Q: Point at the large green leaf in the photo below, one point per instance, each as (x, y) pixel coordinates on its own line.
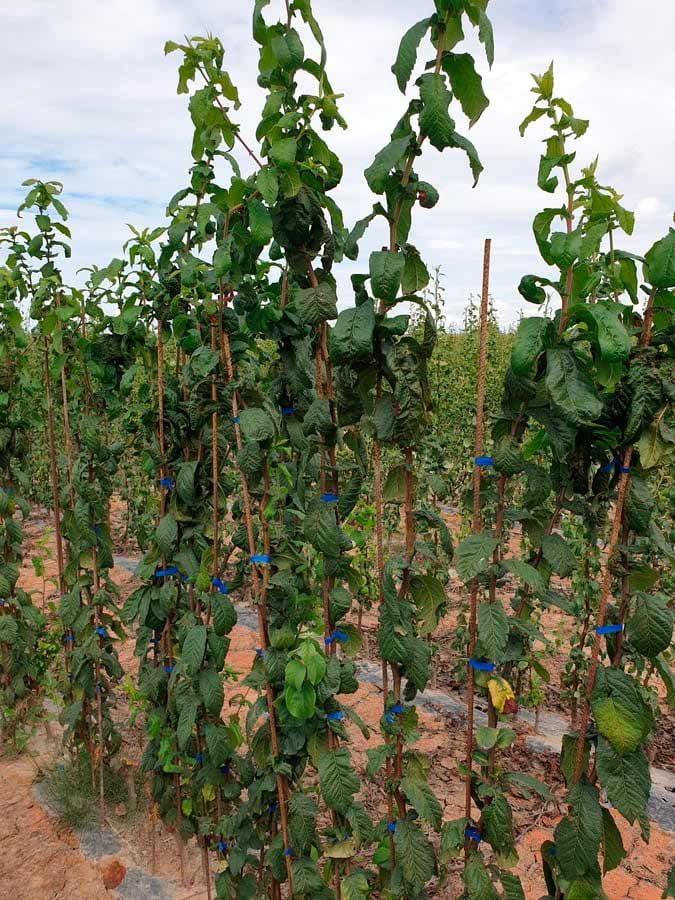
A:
(256, 424)
(211, 691)
(625, 778)
(407, 53)
(316, 304)
(606, 329)
(194, 645)
(498, 823)
(493, 630)
(613, 850)
(650, 628)
(477, 881)
(570, 388)
(620, 712)
(557, 553)
(435, 121)
(260, 222)
(9, 630)
(578, 835)
(386, 272)
(660, 261)
(386, 160)
(338, 780)
(351, 338)
(428, 595)
(466, 84)
(414, 855)
(216, 743)
(166, 535)
(422, 798)
(534, 335)
(472, 555)
(300, 702)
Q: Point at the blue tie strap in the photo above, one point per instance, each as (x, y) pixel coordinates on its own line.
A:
(166, 482)
(168, 669)
(225, 770)
(481, 666)
(615, 464)
(166, 573)
(272, 808)
(473, 834)
(609, 629)
(220, 586)
(287, 410)
(391, 827)
(259, 652)
(235, 420)
(221, 846)
(68, 638)
(261, 559)
(101, 632)
(199, 759)
(336, 716)
(288, 852)
(329, 498)
(336, 636)
(483, 462)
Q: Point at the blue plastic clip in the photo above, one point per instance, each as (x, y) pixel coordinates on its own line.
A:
(287, 410)
(481, 666)
(396, 709)
(335, 716)
(154, 641)
(615, 464)
(168, 669)
(199, 759)
(165, 573)
(484, 462)
(235, 420)
(259, 652)
(329, 498)
(288, 852)
(272, 808)
(221, 846)
(391, 827)
(68, 638)
(220, 586)
(101, 632)
(166, 482)
(225, 770)
(336, 636)
(473, 834)
(261, 559)
(609, 629)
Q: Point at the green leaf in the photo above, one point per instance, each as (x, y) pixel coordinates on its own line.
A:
(9, 630)
(338, 780)
(194, 645)
(526, 573)
(166, 535)
(267, 185)
(466, 84)
(570, 388)
(525, 782)
(256, 425)
(620, 712)
(557, 553)
(211, 691)
(530, 288)
(376, 757)
(387, 159)
(351, 338)
(295, 673)
(565, 247)
(386, 272)
(487, 738)
(472, 555)
(415, 274)
(434, 119)
(259, 221)
(407, 53)
(625, 778)
(613, 850)
(316, 304)
(493, 630)
(535, 113)
(660, 261)
(185, 481)
(223, 614)
(498, 823)
(513, 888)
(477, 881)
(423, 800)
(283, 151)
(300, 702)
(578, 835)
(428, 594)
(669, 890)
(535, 334)
(354, 887)
(414, 855)
(606, 329)
(216, 743)
(186, 721)
(650, 628)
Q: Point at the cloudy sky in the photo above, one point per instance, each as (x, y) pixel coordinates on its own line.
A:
(88, 98)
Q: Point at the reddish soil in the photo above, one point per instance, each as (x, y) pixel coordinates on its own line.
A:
(40, 859)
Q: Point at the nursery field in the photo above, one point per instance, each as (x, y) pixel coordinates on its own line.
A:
(303, 594)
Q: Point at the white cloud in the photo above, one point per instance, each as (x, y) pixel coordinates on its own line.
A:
(92, 102)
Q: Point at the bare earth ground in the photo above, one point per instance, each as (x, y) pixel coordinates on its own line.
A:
(40, 859)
